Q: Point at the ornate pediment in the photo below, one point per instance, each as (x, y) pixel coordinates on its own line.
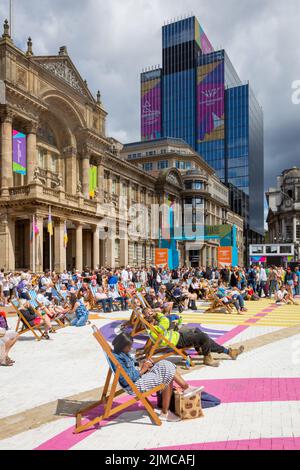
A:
(174, 178)
(63, 68)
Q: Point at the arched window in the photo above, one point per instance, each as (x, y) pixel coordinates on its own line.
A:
(46, 134)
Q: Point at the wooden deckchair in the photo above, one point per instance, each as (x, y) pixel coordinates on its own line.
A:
(23, 326)
(115, 371)
(153, 347)
(92, 299)
(134, 322)
(217, 305)
(35, 305)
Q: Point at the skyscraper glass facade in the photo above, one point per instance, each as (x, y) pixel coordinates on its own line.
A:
(204, 102)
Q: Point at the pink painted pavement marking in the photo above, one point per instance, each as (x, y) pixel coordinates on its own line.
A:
(248, 322)
(252, 390)
(68, 439)
(274, 443)
(228, 390)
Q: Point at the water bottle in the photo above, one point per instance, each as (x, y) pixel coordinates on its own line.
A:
(188, 363)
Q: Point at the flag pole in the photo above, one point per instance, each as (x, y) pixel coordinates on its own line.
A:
(50, 241)
(11, 17)
(33, 246)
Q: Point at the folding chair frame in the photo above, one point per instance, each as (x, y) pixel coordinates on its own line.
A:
(152, 348)
(26, 326)
(107, 397)
(56, 320)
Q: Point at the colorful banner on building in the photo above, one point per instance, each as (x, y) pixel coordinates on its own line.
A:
(210, 102)
(201, 39)
(218, 231)
(92, 180)
(19, 153)
(258, 259)
(151, 108)
(224, 256)
(161, 257)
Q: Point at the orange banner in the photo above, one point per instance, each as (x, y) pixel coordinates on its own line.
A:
(161, 257)
(225, 255)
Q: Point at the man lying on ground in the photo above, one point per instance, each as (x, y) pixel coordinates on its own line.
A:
(188, 338)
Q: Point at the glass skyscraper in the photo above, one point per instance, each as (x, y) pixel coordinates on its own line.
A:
(198, 96)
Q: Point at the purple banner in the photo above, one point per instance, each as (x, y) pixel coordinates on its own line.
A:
(19, 153)
(151, 109)
(210, 102)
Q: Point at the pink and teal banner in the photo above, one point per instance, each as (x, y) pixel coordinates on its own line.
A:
(202, 40)
(19, 153)
(151, 109)
(210, 102)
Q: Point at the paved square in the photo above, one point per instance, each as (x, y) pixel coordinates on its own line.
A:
(260, 392)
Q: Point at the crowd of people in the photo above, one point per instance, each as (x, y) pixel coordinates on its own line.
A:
(50, 298)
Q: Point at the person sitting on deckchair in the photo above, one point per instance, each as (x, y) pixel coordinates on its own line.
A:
(8, 339)
(162, 297)
(34, 319)
(46, 307)
(188, 338)
(149, 376)
(80, 310)
(104, 300)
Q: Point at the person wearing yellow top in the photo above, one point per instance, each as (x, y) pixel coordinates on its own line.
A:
(187, 338)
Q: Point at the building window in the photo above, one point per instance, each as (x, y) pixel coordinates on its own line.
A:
(289, 232)
(298, 232)
(162, 165)
(135, 251)
(144, 254)
(124, 189)
(152, 252)
(147, 166)
(117, 249)
(42, 156)
(53, 163)
(198, 185)
(113, 186)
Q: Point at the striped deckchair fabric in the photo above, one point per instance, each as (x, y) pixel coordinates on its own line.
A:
(23, 325)
(33, 295)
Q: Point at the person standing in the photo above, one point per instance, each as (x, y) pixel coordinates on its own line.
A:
(263, 282)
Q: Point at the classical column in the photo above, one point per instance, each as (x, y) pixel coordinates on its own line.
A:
(31, 151)
(295, 229)
(11, 234)
(85, 176)
(39, 244)
(100, 183)
(96, 248)
(71, 170)
(59, 248)
(124, 245)
(6, 151)
(79, 257)
(110, 251)
(204, 257)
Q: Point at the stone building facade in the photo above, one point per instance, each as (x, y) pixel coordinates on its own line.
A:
(46, 99)
(284, 208)
(201, 187)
